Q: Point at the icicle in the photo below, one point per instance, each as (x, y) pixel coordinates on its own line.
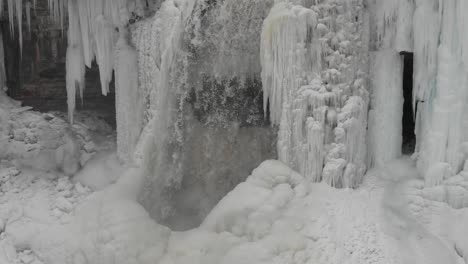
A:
(105, 39)
(74, 60)
(19, 18)
(28, 15)
(11, 14)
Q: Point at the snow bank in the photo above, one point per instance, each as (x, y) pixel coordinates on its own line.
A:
(270, 179)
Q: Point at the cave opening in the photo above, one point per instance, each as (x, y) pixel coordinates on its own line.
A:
(408, 119)
(36, 76)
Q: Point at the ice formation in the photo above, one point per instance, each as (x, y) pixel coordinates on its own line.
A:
(314, 83)
(75, 76)
(94, 28)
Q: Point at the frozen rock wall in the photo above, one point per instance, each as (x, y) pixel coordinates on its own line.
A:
(315, 84)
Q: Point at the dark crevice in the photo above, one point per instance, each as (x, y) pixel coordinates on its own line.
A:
(408, 120)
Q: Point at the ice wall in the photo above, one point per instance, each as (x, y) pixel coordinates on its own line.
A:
(314, 82)
(443, 99)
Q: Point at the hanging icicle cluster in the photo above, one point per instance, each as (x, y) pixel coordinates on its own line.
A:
(15, 14)
(96, 35)
(92, 34)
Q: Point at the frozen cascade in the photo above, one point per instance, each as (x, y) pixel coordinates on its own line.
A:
(161, 168)
(200, 74)
(313, 76)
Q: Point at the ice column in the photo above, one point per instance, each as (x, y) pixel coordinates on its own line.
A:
(75, 76)
(385, 126)
(129, 98)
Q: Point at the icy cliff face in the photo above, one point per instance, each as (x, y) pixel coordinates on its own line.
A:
(314, 81)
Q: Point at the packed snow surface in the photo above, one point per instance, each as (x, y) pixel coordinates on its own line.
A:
(275, 216)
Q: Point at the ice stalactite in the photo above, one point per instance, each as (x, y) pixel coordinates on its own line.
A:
(98, 21)
(28, 15)
(288, 30)
(385, 126)
(316, 90)
(97, 34)
(15, 14)
(129, 98)
(75, 74)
